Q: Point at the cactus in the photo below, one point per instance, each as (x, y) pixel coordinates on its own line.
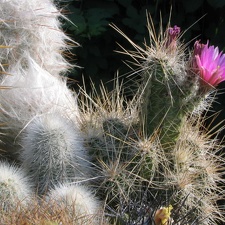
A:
(126, 160)
(177, 156)
(15, 188)
(33, 92)
(146, 158)
(31, 61)
(197, 173)
(168, 90)
(32, 29)
(109, 124)
(53, 152)
(79, 201)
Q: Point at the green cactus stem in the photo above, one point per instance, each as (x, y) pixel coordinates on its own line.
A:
(163, 106)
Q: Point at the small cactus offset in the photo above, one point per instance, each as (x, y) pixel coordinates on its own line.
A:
(102, 159)
(80, 202)
(15, 187)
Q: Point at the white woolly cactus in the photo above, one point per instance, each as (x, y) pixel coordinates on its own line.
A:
(32, 29)
(32, 92)
(53, 152)
(78, 201)
(147, 153)
(15, 187)
(31, 52)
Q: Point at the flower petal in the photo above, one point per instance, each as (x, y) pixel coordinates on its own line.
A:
(209, 63)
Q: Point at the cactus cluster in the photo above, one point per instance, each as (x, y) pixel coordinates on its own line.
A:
(100, 158)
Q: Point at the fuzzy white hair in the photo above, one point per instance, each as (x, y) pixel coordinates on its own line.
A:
(53, 152)
(15, 187)
(80, 200)
(33, 92)
(32, 28)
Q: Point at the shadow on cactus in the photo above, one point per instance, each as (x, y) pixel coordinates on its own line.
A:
(144, 208)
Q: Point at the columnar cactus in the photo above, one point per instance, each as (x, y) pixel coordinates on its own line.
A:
(31, 61)
(169, 91)
(40, 115)
(53, 152)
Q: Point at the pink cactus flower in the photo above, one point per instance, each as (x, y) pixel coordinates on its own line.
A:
(173, 32)
(209, 63)
(172, 35)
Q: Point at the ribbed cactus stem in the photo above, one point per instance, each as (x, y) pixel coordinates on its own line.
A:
(162, 109)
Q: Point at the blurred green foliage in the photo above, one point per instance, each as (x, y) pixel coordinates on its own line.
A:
(89, 26)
